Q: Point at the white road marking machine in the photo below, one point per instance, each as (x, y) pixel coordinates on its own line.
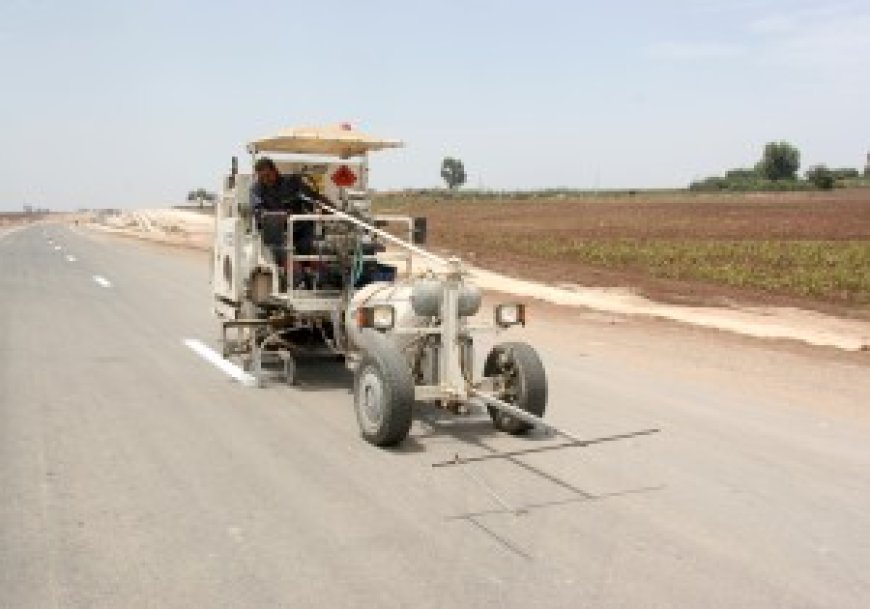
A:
(409, 337)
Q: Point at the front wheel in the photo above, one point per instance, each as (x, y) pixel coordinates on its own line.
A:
(383, 392)
(520, 381)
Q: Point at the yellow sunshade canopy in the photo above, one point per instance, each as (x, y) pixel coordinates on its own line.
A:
(337, 140)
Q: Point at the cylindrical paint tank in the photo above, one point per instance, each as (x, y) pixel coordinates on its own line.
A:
(428, 294)
(414, 303)
(469, 300)
(426, 297)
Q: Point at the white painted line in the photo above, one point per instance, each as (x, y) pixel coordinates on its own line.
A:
(5, 232)
(212, 357)
(57, 248)
(102, 281)
(70, 258)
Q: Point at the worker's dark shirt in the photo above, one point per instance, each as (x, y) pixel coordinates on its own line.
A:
(283, 195)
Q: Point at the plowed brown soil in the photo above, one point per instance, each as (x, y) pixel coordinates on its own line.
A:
(484, 230)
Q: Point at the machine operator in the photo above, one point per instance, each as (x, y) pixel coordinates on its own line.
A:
(274, 192)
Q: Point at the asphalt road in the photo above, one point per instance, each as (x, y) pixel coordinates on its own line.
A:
(133, 473)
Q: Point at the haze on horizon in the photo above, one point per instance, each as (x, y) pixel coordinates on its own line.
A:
(109, 104)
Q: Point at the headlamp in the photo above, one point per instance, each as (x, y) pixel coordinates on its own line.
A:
(510, 315)
(380, 317)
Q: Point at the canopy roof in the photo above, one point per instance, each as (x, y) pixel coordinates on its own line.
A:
(335, 140)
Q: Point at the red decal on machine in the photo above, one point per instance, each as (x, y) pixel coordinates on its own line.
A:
(344, 177)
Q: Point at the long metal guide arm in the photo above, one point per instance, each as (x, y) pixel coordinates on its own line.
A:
(575, 440)
(457, 460)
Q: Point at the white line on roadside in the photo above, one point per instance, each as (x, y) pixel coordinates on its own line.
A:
(57, 248)
(70, 258)
(212, 357)
(102, 281)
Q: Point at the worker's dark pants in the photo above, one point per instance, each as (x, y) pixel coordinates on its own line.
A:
(303, 243)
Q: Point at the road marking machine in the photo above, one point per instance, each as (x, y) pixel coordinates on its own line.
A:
(353, 293)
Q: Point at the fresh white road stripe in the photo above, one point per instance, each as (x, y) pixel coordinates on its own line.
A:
(102, 281)
(216, 360)
(70, 258)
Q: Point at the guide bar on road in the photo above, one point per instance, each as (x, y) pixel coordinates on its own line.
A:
(457, 460)
(575, 441)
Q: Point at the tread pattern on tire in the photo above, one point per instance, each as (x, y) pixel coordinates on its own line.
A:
(398, 386)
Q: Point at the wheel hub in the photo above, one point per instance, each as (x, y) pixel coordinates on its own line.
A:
(371, 399)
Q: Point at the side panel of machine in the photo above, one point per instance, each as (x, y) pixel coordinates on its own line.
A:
(229, 268)
(329, 176)
(227, 279)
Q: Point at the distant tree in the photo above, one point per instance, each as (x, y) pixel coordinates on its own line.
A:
(712, 183)
(453, 172)
(780, 161)
(201, 195)
(741, 174)
(845, 173)
(821, 177)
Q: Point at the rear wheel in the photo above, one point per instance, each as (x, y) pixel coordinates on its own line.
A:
(383, 392)
(520, 381)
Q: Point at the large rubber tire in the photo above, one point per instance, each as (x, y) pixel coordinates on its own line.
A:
(522, 366)
(383, 391)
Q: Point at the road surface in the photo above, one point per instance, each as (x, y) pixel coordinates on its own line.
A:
(134, 473)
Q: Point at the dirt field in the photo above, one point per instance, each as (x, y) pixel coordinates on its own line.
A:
(13, 218)
(181, 227)
(808, 249)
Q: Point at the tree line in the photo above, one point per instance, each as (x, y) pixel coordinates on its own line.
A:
(778, 170)
(202, 196)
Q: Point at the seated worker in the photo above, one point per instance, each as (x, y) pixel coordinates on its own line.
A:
(285, 193)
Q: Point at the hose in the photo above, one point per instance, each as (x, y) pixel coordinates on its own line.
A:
(357, 266)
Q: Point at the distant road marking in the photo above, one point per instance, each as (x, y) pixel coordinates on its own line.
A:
(5, 232)
(70, 258)
(102, 281)
(214, 358)
(57, 248)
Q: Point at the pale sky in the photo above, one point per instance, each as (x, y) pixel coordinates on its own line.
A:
(111, 103)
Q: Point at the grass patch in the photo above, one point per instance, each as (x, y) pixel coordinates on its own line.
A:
(835, 271)
(812, 247)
